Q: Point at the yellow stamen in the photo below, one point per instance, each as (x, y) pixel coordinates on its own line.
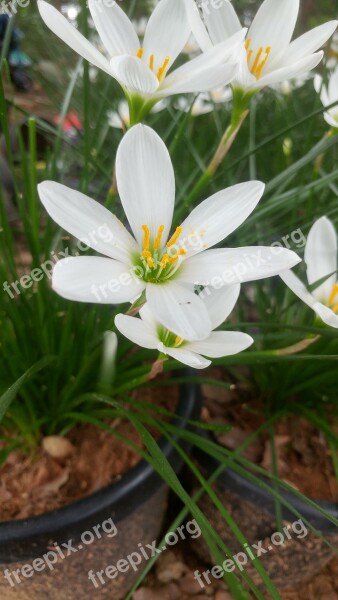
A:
(255, 65)
(151, 62)
(146, 239)
(333, 295)
(262, 65)
(150, 263)
(140, 53)
(174, 237)
(335, 307)
(247, 44)
(178, 340)
(146, 254)
(165, 260)
(158, 238)
(162, 69)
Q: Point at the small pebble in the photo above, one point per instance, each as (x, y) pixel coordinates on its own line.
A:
(189, 584)
(222, 595)
(57, 446)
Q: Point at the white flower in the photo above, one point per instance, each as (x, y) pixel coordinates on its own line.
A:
(321, 261)
(328, 95)
(268, 56)
(166, 268)
(149, 333)
(142, 69)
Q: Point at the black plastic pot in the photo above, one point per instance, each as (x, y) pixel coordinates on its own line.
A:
(131, 511)
(299, 557)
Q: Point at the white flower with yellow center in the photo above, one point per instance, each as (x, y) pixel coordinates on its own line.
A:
(142, 69)
(268, 55)
(328, 95)
(160, 267)
(321, 260)
(150, 333)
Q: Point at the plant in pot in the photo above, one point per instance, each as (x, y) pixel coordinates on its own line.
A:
(76, 359)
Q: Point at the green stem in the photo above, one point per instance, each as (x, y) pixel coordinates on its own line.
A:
(238, 117)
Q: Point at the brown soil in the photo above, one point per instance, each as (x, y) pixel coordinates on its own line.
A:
(303, 454)
(31, 484)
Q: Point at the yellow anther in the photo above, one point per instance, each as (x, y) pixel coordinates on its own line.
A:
(178, 340)
(146, 254)
(151, 62)
(247, 44)
(158, 238)
(181, 252)
(146, 239)
(162, 69)
(255, 65)
(165, 260)
(174, 237)
(263, 63)
(150, 263)
(334, 293)
(140, 53)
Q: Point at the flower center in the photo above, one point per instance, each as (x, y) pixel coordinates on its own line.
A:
(161, 72)
(159, 265)
(170, 339)
(257, 62)
(333, 297)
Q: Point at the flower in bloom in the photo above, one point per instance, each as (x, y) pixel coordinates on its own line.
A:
(149, 333)
(142, 69)
(321, 261)
(268, 55)
(328, 95)
(153, 263)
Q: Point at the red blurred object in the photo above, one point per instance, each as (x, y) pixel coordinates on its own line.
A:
(71, 123)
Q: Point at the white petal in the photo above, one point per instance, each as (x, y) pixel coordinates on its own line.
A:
(321, 257)
(148, 317)
(297, 287)
(87, 220)
(221, 343)
(227, 266)
(146, 182)
(273, 26)
(220, 303)
(221, 21)
(288, 72)
(114, 28)
(197, 26)
(333, 87)
(331, 117)
(199, 81)
(326, 314)
(71, 36)
(179, 310)
(308, 43)
(134, 75)
(137, 331)
(167, 32)
(186, 357)
(95, 279)
(218, 216)
(207, 65)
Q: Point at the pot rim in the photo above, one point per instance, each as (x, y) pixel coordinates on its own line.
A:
(138, 484)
